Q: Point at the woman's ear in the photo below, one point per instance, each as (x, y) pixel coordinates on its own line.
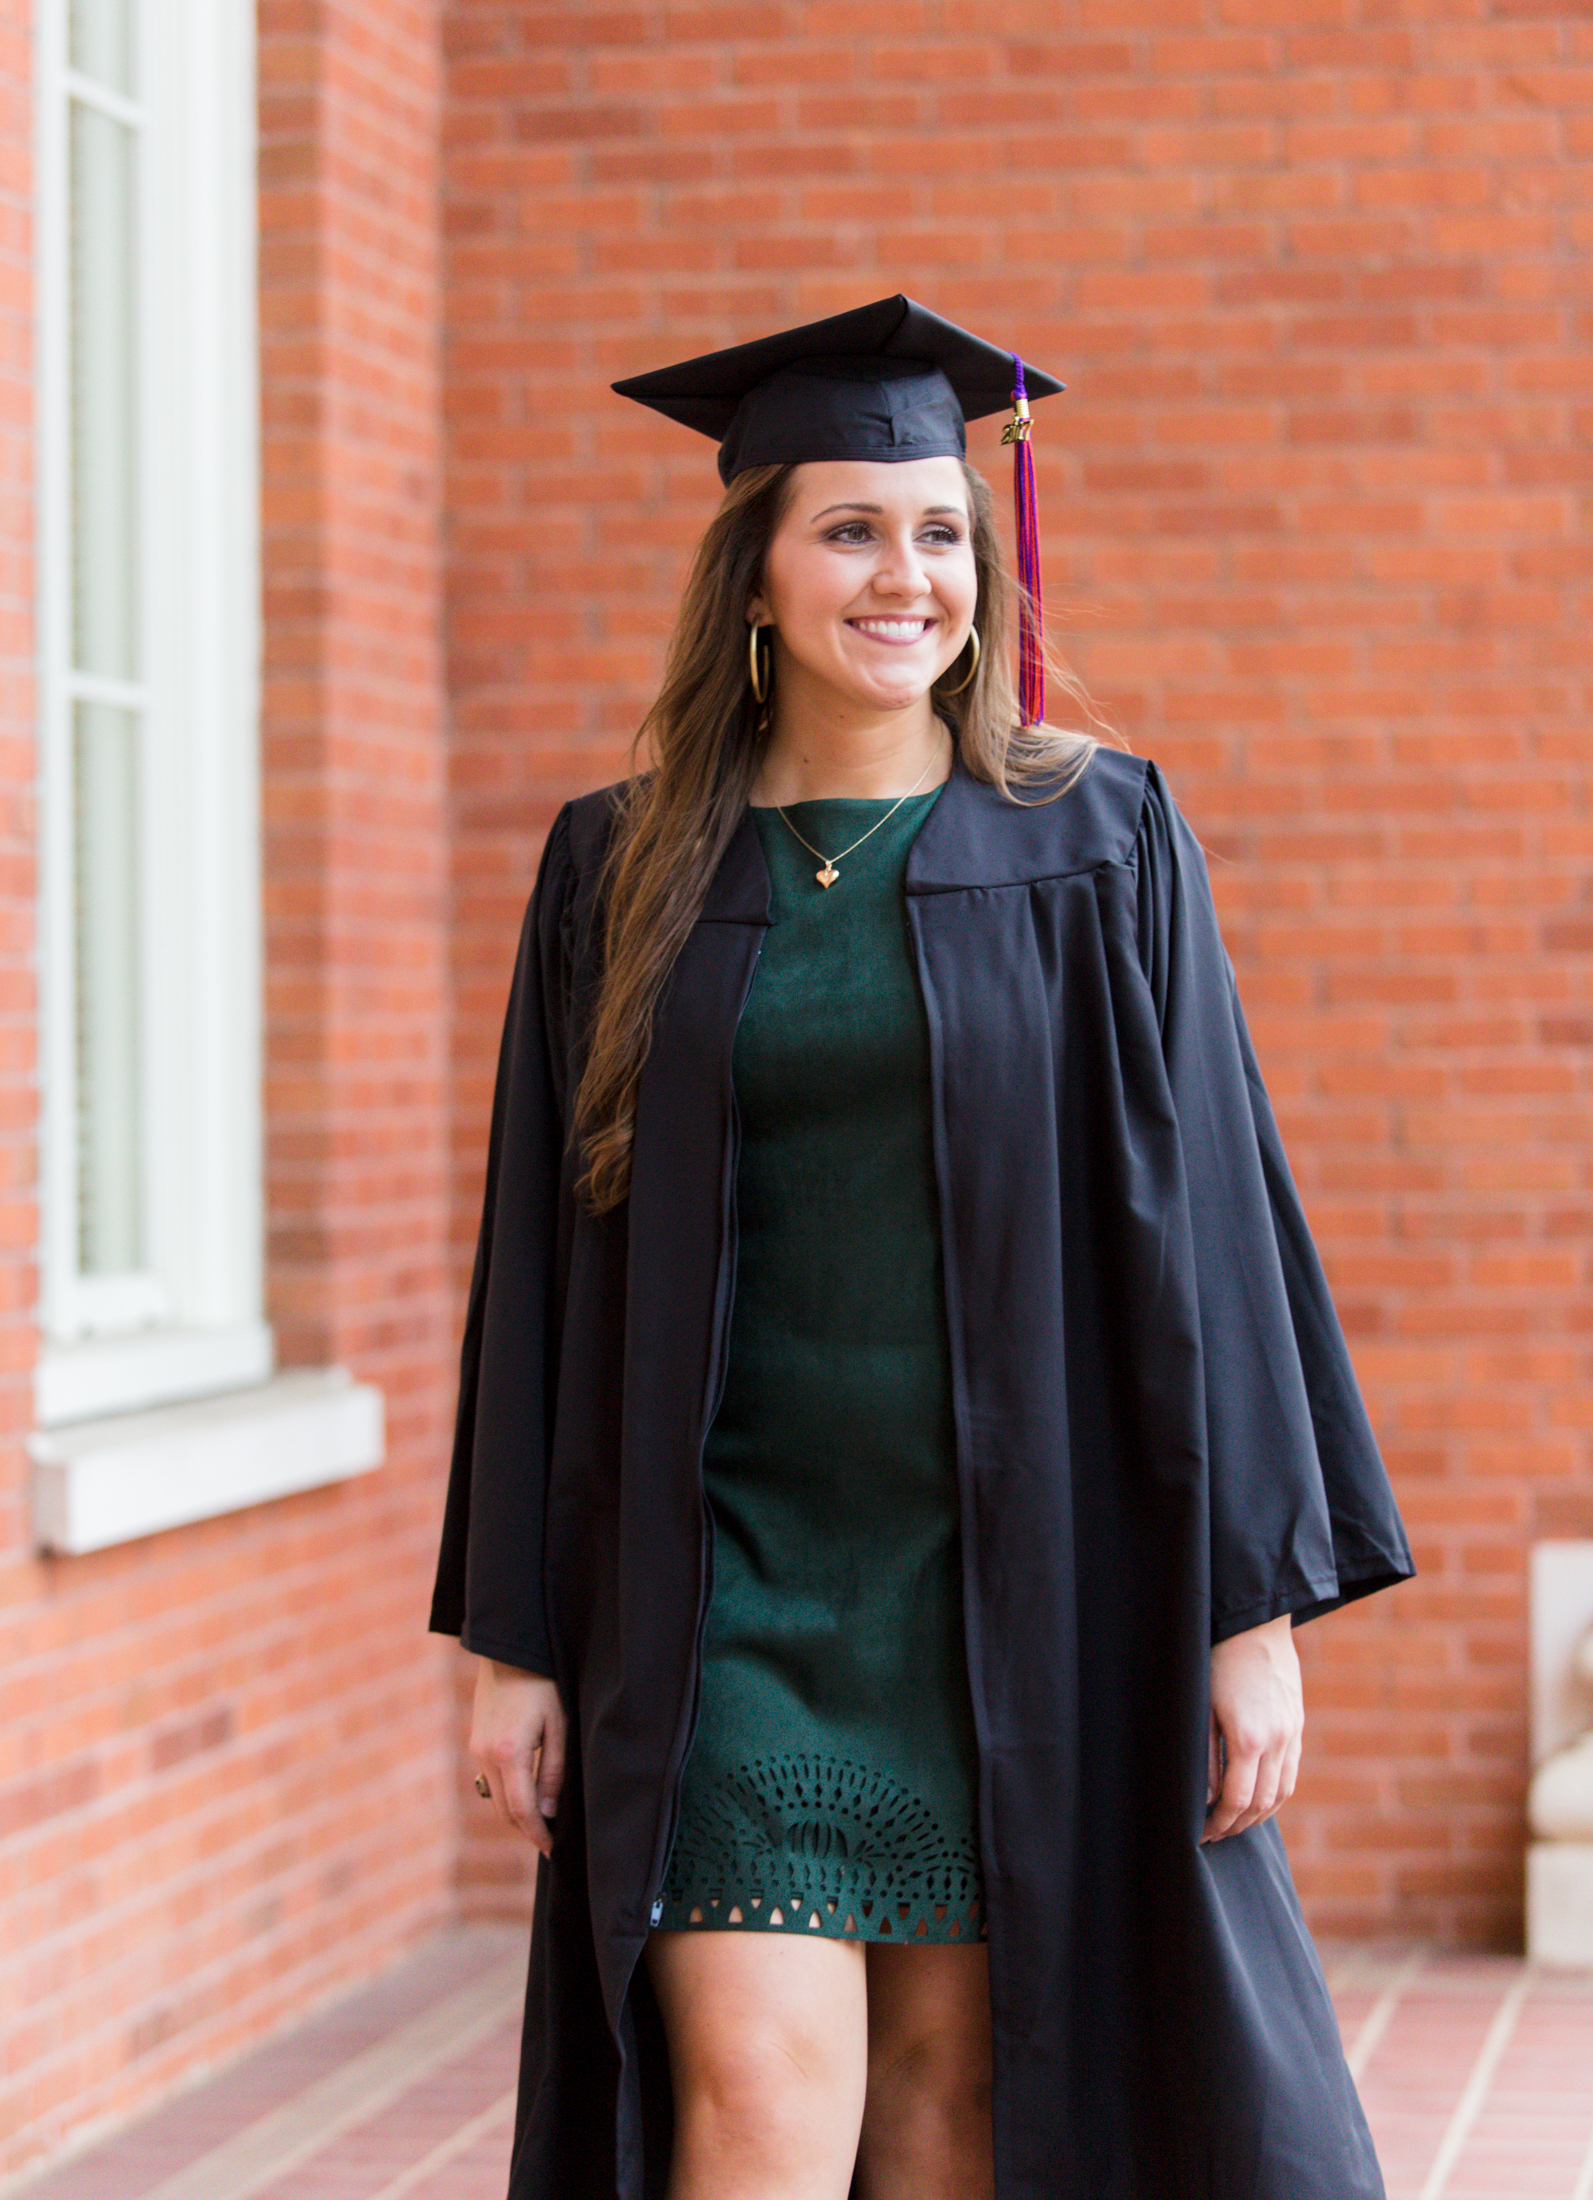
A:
(758, 612)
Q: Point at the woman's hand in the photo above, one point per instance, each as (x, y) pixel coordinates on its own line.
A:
(517, 1741)
(1258, 1709)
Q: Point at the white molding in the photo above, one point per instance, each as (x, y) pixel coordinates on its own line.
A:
(51, 236)
(100, 1375)
(134, 1474)
(92, 93)
(103, 687)
(197, 700)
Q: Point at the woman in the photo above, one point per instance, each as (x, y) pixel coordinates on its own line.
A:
(902, 1414)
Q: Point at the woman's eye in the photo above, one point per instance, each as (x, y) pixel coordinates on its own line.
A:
(857, 530)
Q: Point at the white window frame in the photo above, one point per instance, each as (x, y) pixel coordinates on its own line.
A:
(192, 1322)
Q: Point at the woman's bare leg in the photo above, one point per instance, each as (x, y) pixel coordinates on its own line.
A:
(768, 2058)
(926, 2123)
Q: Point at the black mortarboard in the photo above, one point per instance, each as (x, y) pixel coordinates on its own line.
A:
(888, 381)
(891, 380)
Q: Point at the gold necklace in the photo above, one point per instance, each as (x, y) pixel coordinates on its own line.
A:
(828, 874)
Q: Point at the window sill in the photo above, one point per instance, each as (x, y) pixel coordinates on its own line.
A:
(133, 1474)
(99, 1376)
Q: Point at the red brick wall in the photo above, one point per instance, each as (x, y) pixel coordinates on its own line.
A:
(1311, 511)
(226, 1765)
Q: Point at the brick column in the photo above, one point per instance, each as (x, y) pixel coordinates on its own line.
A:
(355, 739)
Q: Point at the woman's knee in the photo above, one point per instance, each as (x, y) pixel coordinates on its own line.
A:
(769, 2087)
(927, 2116)
(926, 2127)
(929, 2024)
(768, 2060)
(940, 2071)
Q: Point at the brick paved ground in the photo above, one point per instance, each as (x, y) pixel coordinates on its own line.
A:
(1477, 2073)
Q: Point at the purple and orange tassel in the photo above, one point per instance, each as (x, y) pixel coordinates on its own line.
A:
(1031, 605)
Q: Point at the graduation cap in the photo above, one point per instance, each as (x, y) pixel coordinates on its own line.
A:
(888, 381)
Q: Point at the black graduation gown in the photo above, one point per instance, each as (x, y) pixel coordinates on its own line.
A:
(1160, 1443)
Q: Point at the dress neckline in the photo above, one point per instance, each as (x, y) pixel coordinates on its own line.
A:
(851, 801)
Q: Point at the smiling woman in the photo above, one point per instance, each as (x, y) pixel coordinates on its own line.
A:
(902, 1414)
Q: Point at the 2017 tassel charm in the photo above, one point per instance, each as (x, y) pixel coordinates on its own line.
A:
(1031, 602)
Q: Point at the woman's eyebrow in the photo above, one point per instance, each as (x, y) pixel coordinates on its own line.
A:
(930, 511)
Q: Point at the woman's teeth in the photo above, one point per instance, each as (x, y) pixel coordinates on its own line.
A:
(893, 630)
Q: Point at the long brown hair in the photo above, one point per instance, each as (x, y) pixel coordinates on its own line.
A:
(707, 734)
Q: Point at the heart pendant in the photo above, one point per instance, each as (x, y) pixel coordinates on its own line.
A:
(828, 876)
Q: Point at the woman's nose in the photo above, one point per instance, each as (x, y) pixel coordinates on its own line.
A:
(900, 571)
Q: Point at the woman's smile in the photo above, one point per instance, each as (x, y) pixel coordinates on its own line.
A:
(893, 631)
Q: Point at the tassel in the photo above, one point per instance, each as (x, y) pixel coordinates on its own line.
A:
(1031, 607)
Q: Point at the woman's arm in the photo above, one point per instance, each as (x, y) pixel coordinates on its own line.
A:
(1257, 1718)
(517, 1740)
(488, 1588)
(1302, 1517)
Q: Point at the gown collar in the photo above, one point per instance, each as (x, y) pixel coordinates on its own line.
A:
(973, 836)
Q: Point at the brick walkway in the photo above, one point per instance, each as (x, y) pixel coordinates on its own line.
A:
(1477, 2074)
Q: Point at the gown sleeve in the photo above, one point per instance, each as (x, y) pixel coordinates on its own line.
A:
(489, 1570)
(1302, 1515)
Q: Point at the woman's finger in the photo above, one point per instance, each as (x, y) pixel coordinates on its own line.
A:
(1264, 1797)
(1237, 1788)
(493, 1775)
(1291, 1766)
(550, 1764)
(512, 1762)
(1213, 1760)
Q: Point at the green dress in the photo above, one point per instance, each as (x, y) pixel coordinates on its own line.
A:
(831, 1784)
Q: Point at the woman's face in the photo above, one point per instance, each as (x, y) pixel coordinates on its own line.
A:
(870, 582)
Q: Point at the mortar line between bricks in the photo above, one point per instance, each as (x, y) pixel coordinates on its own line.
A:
(266, 2150)
(1475, 2089)
(445, 2149)
(1377, 2019)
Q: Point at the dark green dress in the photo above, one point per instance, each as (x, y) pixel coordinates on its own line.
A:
(832, 1782)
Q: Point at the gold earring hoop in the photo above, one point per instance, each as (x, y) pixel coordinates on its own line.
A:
(760, 675)
(973, 636)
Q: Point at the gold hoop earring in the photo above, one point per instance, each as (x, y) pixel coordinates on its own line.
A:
(973, 636)
(760, 674)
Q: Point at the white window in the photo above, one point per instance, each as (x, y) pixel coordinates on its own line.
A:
(154, 1394)
(151, 1253)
